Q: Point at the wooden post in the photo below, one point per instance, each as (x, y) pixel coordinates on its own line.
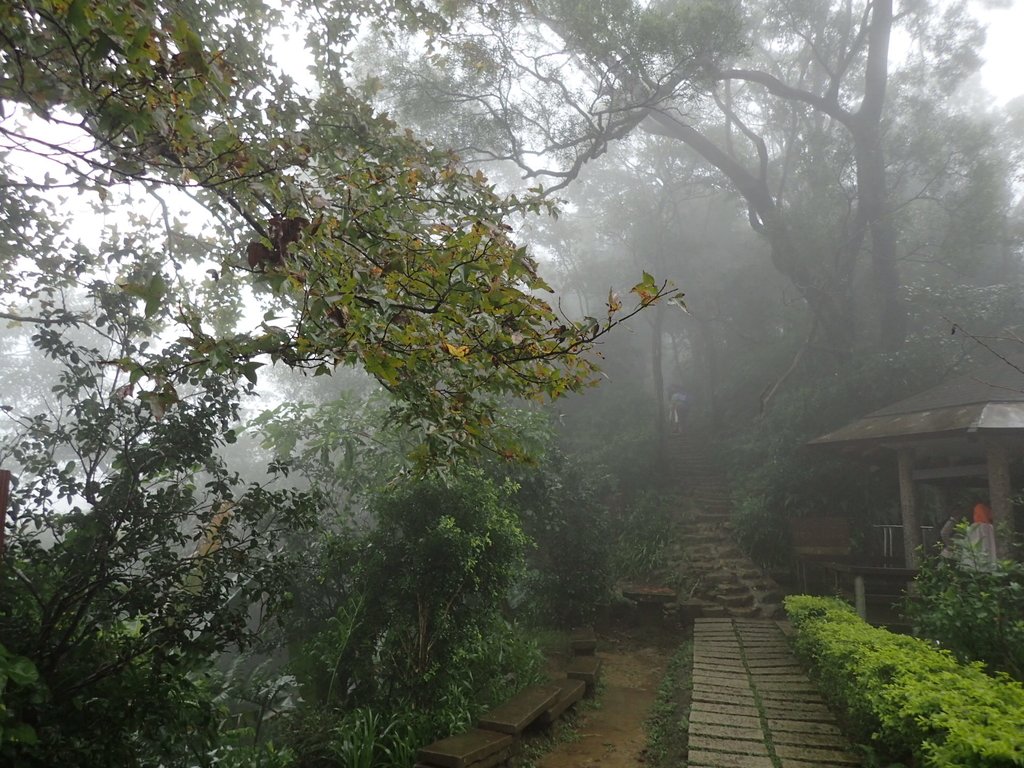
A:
(908, 507)
(860, 598)
(999, 498)
(5, 495)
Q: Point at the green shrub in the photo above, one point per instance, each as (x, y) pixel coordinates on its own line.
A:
(365, 739)
(641, 534)
(413, 645)
(908, 697)
(977, 614)
(570, 574)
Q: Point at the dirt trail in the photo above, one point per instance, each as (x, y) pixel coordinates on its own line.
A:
(612, 735)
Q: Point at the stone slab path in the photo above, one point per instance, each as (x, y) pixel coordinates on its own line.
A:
(753, 706)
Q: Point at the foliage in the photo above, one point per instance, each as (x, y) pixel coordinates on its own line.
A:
(442, 562)
(416, 640)
(134, 553)
(977, 613)
(362, 739)
(344, 447)
(907, 696)
(395, 720)
(642, 536)
(790, 481)
(263, 755)
(18, 678)
(558, 501)
(369, 246)
(667, 726)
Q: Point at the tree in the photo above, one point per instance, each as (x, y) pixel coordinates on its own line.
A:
(785, 102)
(369, 246)
(134, 556)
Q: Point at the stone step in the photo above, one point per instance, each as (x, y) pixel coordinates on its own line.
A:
(736, 600)
(751, 612)
(583, 642)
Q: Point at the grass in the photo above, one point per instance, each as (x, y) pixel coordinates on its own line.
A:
(552, 642)
(668, 725)
(564, 731)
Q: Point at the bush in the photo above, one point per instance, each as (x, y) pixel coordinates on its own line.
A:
(666, 725)
(908, 697)
(416, 645)
(135, 556)
(977, 614)
(642, 533)
(570, 563)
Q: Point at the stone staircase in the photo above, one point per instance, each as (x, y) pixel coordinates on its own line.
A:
(723, 581)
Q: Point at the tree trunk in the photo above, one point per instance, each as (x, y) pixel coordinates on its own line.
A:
(872, 188)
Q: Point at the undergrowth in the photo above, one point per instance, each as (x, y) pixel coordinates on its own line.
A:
(668, 725)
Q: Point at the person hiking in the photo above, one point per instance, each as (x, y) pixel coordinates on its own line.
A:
(678, 403)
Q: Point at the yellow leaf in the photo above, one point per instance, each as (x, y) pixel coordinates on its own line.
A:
(456, 351)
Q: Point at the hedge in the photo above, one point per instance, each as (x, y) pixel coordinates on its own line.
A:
(905, 695)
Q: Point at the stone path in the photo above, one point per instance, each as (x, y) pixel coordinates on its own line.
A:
(753, 706)
(707, 552)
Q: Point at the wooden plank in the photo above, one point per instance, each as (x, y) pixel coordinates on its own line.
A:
(959, 470)
(516, 714)
(464, 749)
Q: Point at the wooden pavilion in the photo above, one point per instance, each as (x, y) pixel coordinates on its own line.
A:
(969, 428)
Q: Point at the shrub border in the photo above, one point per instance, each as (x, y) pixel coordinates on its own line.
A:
(906, 696)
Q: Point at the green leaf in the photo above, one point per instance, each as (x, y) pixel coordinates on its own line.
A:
(154, 295)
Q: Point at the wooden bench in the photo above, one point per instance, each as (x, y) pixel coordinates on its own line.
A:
(642, 593)
(817, 541)
(515, 715)
(571, 692)
(476, 748)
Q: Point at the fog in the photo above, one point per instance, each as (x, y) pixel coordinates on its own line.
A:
(354, 350)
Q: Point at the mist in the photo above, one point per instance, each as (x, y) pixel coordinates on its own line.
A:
(371, 368)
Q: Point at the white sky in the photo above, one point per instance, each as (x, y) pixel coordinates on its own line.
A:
(1003, 73)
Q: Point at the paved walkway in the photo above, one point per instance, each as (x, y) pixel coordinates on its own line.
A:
(753, 706)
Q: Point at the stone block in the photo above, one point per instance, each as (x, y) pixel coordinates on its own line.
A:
(570, 691)
(516, 714)
(583, 642)
(585, 668)
(464, 749)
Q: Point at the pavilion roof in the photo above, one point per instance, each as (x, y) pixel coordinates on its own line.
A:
(988, 400)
